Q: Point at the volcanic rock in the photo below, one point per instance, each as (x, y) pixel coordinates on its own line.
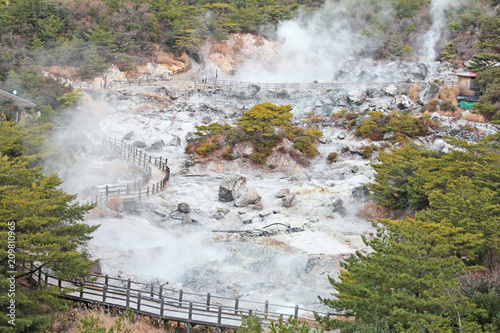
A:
(360, 193)
(404, 102)
(288, 200)
(357, 96)
(283, 193)
(158, 145)
(391, 90)
(176, 141)
(338, 206)
(249, 197)
(139, 144)
(428, 93)
(230, 189)
(128, 136)
(183, 208)
(191, 137)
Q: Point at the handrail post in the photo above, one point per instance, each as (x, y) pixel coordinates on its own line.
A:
(208, 301)
(162, 306)
(104, 290)
(160, 292)
(296, 315)
(180, 298)
(139, 302)
(152, 291)
(236, 304)
(127, 301)
(219, 315)
(266, 309)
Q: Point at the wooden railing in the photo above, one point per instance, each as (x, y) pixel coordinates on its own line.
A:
(172, 304)
(212, 83)
(137, 189)
(148, 81)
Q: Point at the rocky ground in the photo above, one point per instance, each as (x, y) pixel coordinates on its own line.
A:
(290, 226)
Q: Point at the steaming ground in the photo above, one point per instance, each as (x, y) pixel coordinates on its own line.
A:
(149, 246)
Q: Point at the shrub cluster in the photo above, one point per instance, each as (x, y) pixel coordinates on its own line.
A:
(265, 125)
(403, 126)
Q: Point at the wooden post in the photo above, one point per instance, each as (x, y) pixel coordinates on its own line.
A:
(152, 291)
(180, 298)
(219, 315)
(127, 302)
(190, 314)
(104, 290)
(162, 306)
(81, 292)
(266, 309)
(208, 301)
(107, 192)
(236, 304)
(296, 315)
(147, 191)
(106, 279)
(59, 283)
(160, 292)
(139, 302)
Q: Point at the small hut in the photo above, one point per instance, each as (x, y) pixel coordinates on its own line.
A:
(466, 80)
(20, 105)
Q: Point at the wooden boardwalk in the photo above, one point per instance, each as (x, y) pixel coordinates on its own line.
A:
(171, 304)
(139, 189)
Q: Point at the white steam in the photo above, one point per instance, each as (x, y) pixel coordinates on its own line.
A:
(434, 34)
(313, 47)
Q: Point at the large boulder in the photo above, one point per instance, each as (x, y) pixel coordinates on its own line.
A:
(360, 193)
(158, 145)
(230, 189)
(288, 200)
(413, 70)
(129, 135)
(191, 137)
(357, 96)
(283, 193)
(338, 206)
(173, 93)
(428, 93)
(184, 208)
(176, 141)
(249, 197)
(404, 102)
(139, 144)
(391, 90)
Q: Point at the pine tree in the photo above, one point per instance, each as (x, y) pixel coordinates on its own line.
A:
(38, 229)
(408, 283)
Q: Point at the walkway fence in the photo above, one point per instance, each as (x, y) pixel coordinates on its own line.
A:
(137, 189)
(148, 81)
(211, 83)
(172, 304)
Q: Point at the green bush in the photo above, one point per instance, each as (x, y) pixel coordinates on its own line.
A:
(403, 125)
(305, 145)
(258, 158)
(206, 149)
(332, 157)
